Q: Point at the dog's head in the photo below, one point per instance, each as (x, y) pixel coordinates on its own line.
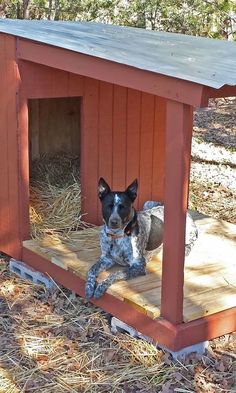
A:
(117, 206)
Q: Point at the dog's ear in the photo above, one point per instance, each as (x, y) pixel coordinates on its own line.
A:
(103, 188)
(131, 191)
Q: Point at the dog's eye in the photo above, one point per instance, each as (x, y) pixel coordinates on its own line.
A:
(110, 205)
(121, 207)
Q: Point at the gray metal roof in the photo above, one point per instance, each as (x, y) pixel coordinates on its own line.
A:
(205, 61)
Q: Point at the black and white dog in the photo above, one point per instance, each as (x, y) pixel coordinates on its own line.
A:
(129, 238)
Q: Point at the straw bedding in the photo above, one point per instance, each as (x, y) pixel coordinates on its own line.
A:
(55, 196)
(57, 342)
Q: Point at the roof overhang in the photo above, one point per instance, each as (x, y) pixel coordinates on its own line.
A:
(77, 63)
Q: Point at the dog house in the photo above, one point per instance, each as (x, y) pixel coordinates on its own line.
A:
(131, 93)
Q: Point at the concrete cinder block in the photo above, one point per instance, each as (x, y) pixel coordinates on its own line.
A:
(28, 273)
(118, 326)
(199, 349)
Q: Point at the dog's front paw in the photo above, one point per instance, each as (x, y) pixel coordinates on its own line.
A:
(89, 289)
(100, 290)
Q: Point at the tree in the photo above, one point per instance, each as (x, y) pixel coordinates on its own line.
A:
(210, 18)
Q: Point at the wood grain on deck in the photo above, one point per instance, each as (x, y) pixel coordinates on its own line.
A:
(210, 269)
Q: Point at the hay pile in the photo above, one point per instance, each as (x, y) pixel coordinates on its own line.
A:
(55, 196)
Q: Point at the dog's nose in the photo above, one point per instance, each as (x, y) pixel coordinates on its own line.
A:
(114, 222)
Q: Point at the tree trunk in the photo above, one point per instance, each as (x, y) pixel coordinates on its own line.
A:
(26, 4)
(18, 10)
(49, 9)
(57, 10)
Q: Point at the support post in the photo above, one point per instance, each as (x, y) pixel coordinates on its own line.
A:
(177, 168)
(10, 224)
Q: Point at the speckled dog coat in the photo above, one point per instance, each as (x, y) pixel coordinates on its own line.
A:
(133, 248)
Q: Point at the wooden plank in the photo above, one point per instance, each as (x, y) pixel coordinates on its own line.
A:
(59, 121)
(34, 129)
(81, 252)
(80, 240)
(159, 150)
(77, 261)
(198, 284)
(105, 135)
(10, 219)
(119, 138)
(89, 150)
(55, 125)
(222, 253)
(4, 195)
(199, 290)
(75, 85)
(204, 267)
(203, 278)
(210, 302)
(51, 247)
(160, 330)
(79, 256)
(146, 148)
(177, 168)
(146, 302)
(108, 71)
(40, 81)
(210, 265)
(136, 285)
(45, 82)
(12, 87)
(24, 160)
(224, 91)
(213, 226)
(105, 131)
(37, 79)
(215, 247)
(59, 83)
(133, 137)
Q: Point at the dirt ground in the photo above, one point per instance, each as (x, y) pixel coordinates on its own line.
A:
(213, 167)
(58, 342)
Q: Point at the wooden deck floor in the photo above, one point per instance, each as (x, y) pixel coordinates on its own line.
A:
(210, 269)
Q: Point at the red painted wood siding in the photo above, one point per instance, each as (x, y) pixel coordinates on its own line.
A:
(122, 132)
(9, 195)
(122, 139)
(90, 149)
(107, 71)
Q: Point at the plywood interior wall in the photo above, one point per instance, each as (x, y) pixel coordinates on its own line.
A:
(54, 126)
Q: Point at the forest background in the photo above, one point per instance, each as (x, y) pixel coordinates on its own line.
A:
(211, 18)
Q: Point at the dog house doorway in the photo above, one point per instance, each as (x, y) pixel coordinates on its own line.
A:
(54, 125)
(54, 151)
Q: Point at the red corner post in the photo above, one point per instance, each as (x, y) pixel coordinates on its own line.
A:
(177, 168)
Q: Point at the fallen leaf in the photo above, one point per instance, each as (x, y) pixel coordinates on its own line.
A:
(166, 388)
(108, 354)
(220, 366)
(167, 359)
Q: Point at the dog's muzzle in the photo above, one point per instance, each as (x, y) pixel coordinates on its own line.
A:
(119, 232)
